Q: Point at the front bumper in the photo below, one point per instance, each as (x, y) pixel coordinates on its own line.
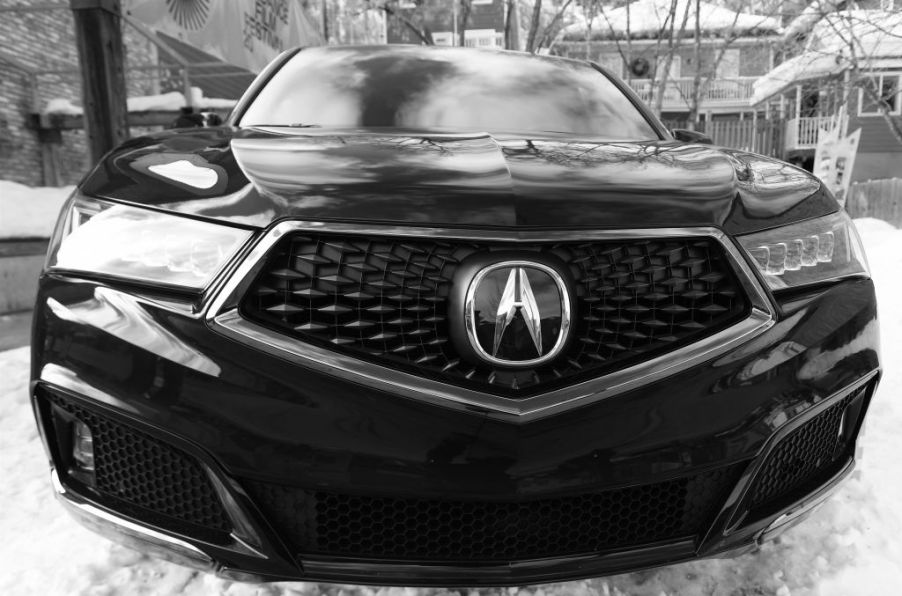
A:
(248, 417)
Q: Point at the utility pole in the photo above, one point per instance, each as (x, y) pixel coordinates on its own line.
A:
(101, 59)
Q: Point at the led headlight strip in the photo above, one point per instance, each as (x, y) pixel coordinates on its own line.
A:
(810, 252)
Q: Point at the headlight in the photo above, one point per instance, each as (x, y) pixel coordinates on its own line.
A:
(105, 238)
(814, 251)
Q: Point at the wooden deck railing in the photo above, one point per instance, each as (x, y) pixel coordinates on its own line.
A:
(804, 133)
(678, 92)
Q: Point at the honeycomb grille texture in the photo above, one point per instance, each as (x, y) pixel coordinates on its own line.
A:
(141, 471)
(386, 300)
(322, 523)
(804, 456)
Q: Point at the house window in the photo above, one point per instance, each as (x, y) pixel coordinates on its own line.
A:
(888, 92)
(443, 38)
(728, 68)
(481, 38)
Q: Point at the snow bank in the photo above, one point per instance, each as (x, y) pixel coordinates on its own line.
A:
(850, 546)
(169, 102)
(27, 212)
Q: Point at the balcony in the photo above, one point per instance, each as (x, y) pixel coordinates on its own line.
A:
(720, 93)
(804, 133)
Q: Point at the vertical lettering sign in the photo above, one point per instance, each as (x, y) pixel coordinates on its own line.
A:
(242, 32)
(265, 23)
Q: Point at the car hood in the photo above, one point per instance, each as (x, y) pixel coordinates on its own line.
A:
(455, 180)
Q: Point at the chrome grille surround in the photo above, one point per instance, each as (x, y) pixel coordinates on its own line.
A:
(223, 317)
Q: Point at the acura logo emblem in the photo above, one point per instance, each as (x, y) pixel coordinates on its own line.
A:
(517, 313)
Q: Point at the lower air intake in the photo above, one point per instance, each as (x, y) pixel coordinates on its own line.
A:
(806, 457)
(148, 479)
(322, 523)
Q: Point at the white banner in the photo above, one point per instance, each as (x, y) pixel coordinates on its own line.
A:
(834, 160)
(246, 33)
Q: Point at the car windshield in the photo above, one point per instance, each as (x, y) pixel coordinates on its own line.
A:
(446, 89)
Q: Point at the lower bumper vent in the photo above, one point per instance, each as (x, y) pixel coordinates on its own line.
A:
(322, 523)
(809, 455)
(147, 479)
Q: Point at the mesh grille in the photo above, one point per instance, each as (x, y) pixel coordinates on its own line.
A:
(322, 523)
(805, 456)
(386, 300)
(161, 481)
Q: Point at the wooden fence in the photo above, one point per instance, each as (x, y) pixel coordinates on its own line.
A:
(759, 136)
(877, 198)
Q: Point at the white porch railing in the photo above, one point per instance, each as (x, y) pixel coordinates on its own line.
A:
(804, 133)
(678, 92)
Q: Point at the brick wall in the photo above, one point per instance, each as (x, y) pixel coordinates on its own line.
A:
(20, 154)
(33, 42)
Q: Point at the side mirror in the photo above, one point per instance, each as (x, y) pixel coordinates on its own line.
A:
(691, 136)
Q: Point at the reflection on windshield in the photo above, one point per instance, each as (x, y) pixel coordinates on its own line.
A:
(447, 89)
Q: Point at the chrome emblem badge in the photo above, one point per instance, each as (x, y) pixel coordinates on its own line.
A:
(517, 313)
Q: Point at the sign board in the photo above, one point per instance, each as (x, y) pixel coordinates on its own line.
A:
(246, 33)
(834, 160)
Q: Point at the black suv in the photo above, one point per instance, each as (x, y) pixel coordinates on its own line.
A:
(445, 316)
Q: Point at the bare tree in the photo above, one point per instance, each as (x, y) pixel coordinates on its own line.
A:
(418, 27)
(680, 28)
(545, 23)
(554, 26)
(534, 22)
(856, 31)
(674, 40)
(668, 39)
(702, 78)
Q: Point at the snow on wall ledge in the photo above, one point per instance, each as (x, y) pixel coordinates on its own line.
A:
(169, 102)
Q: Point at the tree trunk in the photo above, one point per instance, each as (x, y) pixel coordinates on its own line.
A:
(534, 26)
(465, 6)
(668, 61)
(697, 78)
(508, 25)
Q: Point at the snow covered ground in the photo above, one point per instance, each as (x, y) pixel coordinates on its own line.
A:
(27, 212)
(851, 546)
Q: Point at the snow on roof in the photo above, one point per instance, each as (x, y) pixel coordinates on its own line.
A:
(837, 42)
(644, 18)
(802, 25)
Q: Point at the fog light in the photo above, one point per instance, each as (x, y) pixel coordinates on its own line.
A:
(82, 449)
